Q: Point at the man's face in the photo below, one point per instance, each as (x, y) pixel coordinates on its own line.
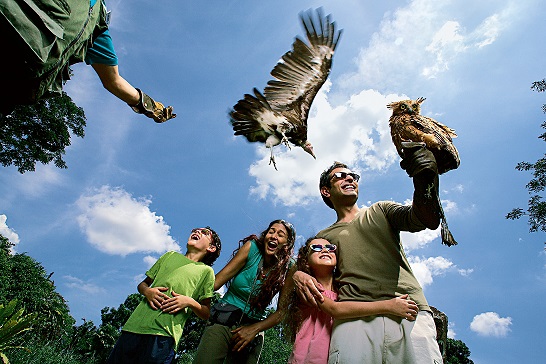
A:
(343, 186)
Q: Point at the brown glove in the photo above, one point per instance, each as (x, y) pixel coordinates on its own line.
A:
(152, 109)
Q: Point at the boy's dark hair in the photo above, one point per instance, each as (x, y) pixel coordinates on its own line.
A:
(211, 257)
(325, 180)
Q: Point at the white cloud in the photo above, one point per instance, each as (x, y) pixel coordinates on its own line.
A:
(149, 261)
(85, 287)
(451, 330)
(413, 241)
(10, 234)
(425, 269)
(491, 324)
(36, 183)
(116, 223)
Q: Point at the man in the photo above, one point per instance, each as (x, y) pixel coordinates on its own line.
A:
(372, 265)
(175, 286)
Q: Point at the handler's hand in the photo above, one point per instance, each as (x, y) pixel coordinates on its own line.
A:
(242, 336)
(307, 288)
(176, 303)
(155, 296)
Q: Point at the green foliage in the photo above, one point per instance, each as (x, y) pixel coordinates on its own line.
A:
(276, 348)
(54, 352)
(536, 210)
(26, 281)
(457, 352)
(40, 133)
(12, 324)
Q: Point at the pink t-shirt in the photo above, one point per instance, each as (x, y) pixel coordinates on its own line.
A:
(313, 339)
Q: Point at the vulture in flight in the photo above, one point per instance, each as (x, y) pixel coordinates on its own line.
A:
(279, 115)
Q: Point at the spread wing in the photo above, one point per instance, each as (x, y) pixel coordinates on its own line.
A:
(303, 70)
(253, 117)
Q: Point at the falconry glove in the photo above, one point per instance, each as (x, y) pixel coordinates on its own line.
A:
(152, 109)
(419, 161)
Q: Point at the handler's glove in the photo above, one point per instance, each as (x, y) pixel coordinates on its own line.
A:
(152, 109)
(417, 159)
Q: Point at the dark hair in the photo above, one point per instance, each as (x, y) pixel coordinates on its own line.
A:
(325, 180)
(211, 257)
(272, 284)
(294, 308)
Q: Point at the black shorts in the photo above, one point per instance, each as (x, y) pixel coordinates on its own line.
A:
(134, 348)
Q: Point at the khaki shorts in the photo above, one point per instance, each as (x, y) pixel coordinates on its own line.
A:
(385, 339)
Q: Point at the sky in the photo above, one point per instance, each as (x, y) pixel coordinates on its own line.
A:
(134, 189)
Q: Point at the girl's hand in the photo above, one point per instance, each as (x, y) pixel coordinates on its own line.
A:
(242, 336)
(308, 288)
(176, 303)
(404, 307)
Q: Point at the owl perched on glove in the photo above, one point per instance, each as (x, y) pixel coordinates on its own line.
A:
(407, 124)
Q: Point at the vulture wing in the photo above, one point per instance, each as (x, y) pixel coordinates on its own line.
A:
(303, 70)
(253, 117)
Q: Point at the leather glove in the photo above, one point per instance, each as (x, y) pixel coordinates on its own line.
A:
(153, 109)
(417, 159)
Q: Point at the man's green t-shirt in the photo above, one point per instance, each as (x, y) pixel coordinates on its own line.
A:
(181, 275)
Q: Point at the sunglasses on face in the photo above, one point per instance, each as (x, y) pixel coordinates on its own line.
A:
(320, 247)
(343, 175)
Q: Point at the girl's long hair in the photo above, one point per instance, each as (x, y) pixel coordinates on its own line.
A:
(272, 284)
(294, 315)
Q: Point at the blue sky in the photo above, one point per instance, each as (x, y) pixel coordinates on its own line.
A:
(134, 189)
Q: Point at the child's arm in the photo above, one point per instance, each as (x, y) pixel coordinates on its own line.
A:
(154, 295)
(399, 306)
(233, 266)
(179, 302)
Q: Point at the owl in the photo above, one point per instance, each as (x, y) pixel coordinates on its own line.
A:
(407, 124)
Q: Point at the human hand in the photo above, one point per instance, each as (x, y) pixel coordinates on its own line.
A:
(404, 307)
(307, 288)
(242, 336)
(176, 303)
(155, 296)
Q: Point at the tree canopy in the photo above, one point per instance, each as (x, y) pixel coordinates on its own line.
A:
(40, 132)
(536, 208)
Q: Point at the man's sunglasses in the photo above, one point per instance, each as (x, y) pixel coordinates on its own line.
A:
(343, 175)
(320, 247)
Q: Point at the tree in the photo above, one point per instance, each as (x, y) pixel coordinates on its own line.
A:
(40, 132)
(536, 210)
(25, 280)
(12, 324)
(457, 352)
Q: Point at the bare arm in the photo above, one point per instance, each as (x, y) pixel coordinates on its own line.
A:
(154, 295)
(233, 266)
(399, 306)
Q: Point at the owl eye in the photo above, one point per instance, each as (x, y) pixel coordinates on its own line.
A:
(403, 106)
(415, 106)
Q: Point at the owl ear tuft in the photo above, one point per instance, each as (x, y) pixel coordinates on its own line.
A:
(420, 100)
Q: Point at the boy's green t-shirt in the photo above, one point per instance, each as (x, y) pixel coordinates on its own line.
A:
(181, 275)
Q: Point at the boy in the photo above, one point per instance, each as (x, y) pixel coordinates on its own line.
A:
(173, 284)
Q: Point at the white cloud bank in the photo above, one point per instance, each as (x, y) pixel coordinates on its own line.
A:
(491, 324)
(116, 223)
(8, 233)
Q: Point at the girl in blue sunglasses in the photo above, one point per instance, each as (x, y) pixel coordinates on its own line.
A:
(310, 328)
